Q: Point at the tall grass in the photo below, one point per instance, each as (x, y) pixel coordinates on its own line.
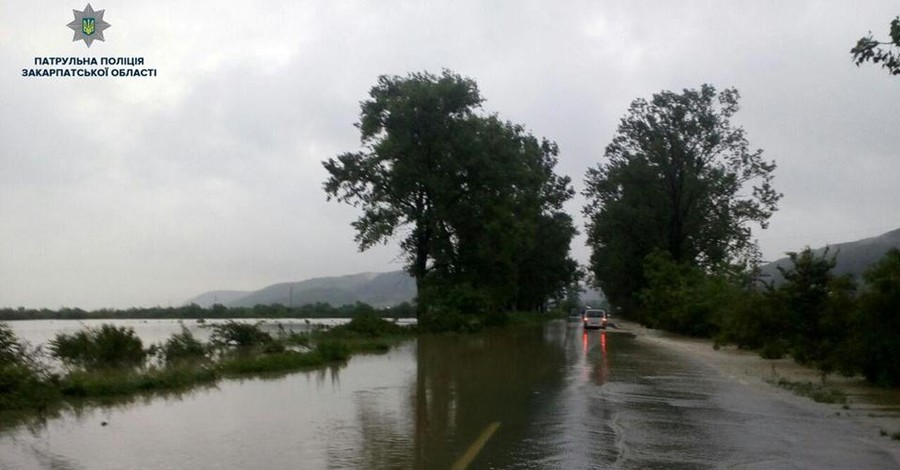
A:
(24, 381)
(182, 346)
(107, 346)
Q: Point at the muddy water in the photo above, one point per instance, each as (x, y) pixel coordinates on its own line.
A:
(555, 397)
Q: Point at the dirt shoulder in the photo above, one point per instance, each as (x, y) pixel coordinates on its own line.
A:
(874, 408)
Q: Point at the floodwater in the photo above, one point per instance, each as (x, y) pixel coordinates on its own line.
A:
(40, 332)
(554, 397)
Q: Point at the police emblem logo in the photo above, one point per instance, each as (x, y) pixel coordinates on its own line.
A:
(88, 25)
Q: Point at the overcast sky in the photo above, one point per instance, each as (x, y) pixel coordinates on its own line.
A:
(122, 192)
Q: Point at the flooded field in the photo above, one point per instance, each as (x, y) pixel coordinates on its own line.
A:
(554, 397)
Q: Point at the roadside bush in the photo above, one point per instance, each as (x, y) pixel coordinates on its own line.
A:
(240, 334)
(876, 329)
(107, 346)
(682, 298)
(817, 305)
(746, 320)
(183, 346)
(774, 349)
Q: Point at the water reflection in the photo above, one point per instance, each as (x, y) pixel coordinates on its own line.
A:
(459, 386)
(593, 344)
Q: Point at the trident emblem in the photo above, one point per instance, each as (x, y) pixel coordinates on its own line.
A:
(87, 26)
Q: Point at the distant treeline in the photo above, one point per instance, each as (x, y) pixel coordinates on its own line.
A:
(194, 311)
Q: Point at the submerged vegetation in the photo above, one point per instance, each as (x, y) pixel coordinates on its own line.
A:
(110, 361)
(817, 392)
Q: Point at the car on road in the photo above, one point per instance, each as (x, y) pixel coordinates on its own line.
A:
(595, 318)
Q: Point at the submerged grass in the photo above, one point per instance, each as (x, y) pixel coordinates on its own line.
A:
(186, 363)
(110, 383)
(818, 393)
(269, 363)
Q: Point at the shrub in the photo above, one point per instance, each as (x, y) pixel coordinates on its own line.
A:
(11, 350)
(331, 350)
(682, 298)
(105, 347)
(876, 337)
(23, 381)
(182, 346)
(746, 320)
(240, 334)
(817, 393)
(773, 349)
(368, 324)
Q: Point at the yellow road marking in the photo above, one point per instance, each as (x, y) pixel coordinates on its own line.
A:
(476, 447)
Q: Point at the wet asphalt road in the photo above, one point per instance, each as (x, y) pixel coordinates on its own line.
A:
(632, 405)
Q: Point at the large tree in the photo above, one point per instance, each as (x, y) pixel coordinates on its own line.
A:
(467, 192)
(679, 177)
(407, 127)
(870, 49)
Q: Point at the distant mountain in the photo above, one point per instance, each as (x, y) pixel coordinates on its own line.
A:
(223, 297)
(377, 289)
(852, 257)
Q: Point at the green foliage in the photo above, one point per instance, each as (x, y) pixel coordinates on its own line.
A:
(333, 350)
(809, 316)
(450, 321)
(11, 350)
(272, 363)
(106, 346)
(869, 49)
(108, 355)
(547, 271)
(678, 177)
(23, 387)
(23, 381)
(410, 126)
(239, 334)
(875, 342)
(682, 298)
(816, 306)
(182, 346)
(368, 325)
(746, 321)
(476, 197)
(775, 348)
(818, 393)
(119, 382)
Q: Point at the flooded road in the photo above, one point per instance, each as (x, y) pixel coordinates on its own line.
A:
(554, 398)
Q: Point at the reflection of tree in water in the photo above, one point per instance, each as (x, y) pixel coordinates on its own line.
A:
(385, 429)
(463, 384)
(332, 372)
